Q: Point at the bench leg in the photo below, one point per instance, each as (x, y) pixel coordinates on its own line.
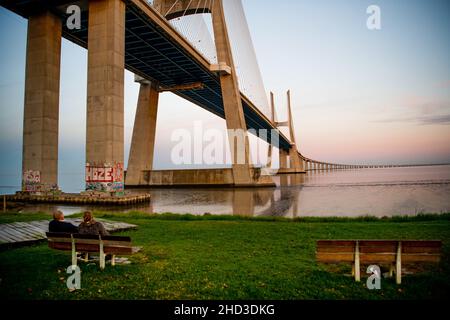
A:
(102, 256)
(391, 271)
(357, 267)
(113, 260)
(86, 257)
(74, 254)
(398, 270)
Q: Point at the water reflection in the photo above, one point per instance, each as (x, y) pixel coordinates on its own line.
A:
(379, 192)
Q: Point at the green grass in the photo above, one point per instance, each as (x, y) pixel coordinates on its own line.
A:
(226, 257)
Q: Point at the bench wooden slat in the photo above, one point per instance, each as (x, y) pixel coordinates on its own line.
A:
(119, 250)
(378, 249)
(117, 243)
(335, 257)
(91, 248)
(377, 257)
(377, 243)
(408, 250)
(422, 243)
(58, 235)
(413, 258)
(116, 238)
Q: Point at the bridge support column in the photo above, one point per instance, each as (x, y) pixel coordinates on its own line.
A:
(296, 163)
(294, 156)
(144, 131)
(105, 96)
(234, 113)
(283, 160)
(41, 105)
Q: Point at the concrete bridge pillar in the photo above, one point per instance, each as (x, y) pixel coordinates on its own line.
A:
(144, 131)
(41, 105)
(105, 96)
(294, 156)
(283, 159)
(296, 163)
(234, 113)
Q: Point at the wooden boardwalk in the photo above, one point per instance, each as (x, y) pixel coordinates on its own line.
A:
(34, 231)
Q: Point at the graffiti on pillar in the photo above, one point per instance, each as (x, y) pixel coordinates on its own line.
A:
(105, 177)
(118, 177)
(31, 181)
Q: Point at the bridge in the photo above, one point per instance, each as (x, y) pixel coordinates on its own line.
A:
(141, 36)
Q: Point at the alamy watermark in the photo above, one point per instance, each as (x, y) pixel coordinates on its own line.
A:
(374, 19)
(74, 280)
(374, 280)
(74, 20)
(201, 146)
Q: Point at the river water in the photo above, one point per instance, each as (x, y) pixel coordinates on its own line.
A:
(349, 193)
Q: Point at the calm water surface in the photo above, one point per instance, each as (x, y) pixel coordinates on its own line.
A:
(359, 192)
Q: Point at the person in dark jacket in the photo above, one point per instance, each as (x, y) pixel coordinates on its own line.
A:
(59, 225)
(90, 226)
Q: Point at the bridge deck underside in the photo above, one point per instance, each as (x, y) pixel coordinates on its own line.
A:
(154, 54)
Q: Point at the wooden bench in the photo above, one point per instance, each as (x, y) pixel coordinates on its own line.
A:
(382, 252)
(90, 244)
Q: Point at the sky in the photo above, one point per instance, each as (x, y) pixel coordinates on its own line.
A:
(358, 95)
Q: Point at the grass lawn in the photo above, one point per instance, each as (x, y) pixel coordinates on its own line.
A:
(187, 257)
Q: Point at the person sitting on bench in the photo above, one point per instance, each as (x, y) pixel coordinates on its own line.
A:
(90, 226)
(59, 225)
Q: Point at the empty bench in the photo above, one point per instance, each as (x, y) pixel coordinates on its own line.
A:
(75, 243)
(393, 253)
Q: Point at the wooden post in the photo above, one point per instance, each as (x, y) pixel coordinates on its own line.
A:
(74, 252)
(4, 203)
(86, 257)
(398, 271)
(113, 260)
(357, 267)
(102, 255)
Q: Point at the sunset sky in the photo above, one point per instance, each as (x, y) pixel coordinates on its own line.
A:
(359, 96)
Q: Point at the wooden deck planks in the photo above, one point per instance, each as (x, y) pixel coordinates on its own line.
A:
(34, 231)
